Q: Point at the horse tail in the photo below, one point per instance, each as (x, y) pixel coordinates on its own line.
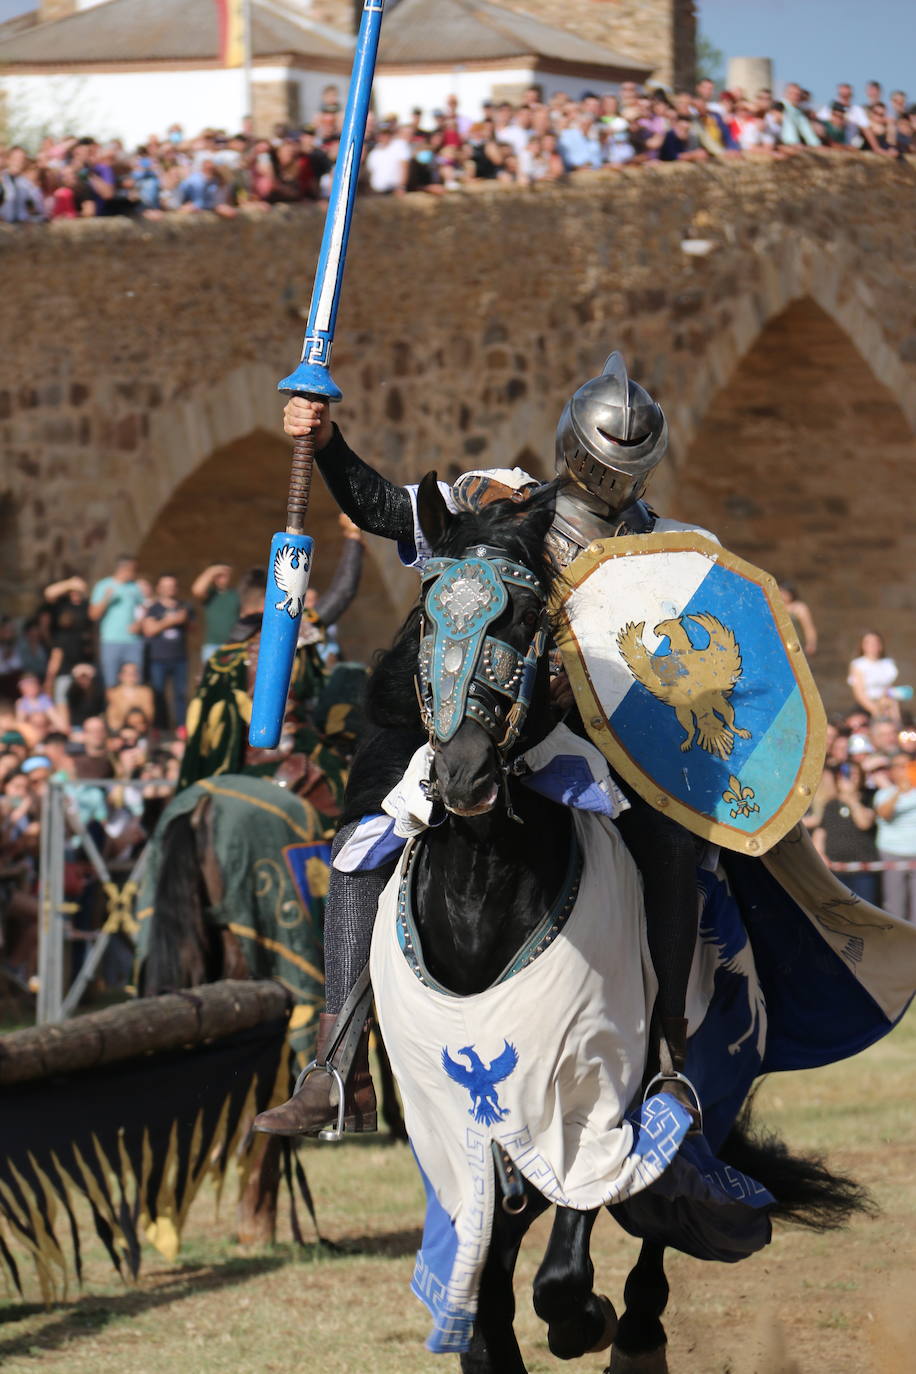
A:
(807, 1193)
(178, 947)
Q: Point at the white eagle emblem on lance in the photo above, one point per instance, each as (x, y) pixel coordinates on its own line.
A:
(689, 677)
(291, 574)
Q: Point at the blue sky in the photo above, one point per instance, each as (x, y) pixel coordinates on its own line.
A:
(816, 42)
(820, 42)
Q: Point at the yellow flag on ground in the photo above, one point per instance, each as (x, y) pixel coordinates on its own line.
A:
(231, 32)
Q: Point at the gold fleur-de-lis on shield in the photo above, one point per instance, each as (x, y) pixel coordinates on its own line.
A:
(741, 799)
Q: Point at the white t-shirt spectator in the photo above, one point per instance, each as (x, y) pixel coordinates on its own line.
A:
(897, 836)
(515, 136)
(877, 675)
(617, 148)
(385, 165)
(753, 133)
(854, 115)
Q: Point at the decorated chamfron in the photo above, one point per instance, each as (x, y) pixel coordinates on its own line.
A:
(690, 678)
(463, 670)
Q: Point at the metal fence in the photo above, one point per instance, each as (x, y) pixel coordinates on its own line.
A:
(62, 824)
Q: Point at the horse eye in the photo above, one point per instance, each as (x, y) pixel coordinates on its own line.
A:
(530, 619)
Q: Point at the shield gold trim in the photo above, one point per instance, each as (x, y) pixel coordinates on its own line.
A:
(594, 715)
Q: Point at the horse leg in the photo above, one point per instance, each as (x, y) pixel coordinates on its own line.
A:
(578, 1319)
(256, 1214)
(493, 1348)
(639, 1346)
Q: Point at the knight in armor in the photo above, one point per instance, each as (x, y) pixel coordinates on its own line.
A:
(610, 439)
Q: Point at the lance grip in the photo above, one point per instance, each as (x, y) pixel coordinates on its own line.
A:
(300, 482)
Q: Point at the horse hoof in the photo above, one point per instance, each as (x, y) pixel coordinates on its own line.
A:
(565, 1337)
(610, 1325)
(648, 1362)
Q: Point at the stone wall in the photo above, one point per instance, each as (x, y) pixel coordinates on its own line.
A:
(138, 353)
(819, 484)
(660, 32)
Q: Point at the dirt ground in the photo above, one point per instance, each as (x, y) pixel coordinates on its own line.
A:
(837, 1304)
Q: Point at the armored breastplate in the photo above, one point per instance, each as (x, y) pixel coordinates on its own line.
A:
(575, 526)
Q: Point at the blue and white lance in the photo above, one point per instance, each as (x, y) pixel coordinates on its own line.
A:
(291, 549)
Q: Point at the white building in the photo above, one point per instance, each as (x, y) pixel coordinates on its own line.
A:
(479, 51)
(129, 68)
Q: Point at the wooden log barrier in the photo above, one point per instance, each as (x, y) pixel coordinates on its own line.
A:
(168, 1022)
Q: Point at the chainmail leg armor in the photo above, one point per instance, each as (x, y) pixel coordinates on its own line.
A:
(349, 915)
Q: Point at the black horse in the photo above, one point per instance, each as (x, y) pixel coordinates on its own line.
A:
(482, 881)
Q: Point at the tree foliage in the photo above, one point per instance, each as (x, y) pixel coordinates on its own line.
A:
(710, 61)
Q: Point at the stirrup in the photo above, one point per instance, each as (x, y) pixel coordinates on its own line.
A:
(330, 1133)
(675, 1077)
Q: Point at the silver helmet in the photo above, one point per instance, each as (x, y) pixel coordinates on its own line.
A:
(611, 436)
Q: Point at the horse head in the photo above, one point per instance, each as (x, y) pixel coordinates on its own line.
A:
(482, 675)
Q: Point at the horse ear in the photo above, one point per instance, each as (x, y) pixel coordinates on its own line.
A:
(432, 512)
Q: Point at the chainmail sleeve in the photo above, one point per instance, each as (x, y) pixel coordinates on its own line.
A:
(371, 501)
(332, 603)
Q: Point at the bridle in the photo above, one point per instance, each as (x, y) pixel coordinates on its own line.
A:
(464, 672)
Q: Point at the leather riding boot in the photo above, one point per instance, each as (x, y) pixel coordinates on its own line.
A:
(315, 1105)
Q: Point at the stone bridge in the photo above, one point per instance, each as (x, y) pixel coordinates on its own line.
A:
(138, 407)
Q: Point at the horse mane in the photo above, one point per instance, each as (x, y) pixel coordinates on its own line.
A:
(519, 527)
(391, 698)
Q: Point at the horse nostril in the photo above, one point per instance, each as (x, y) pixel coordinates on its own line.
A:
(466, 775)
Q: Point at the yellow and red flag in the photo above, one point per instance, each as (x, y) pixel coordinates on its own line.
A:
(231, 32)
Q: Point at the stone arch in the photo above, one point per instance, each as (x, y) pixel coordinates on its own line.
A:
(184, 434)
(804, 462)
(214, 491)
(788, 266)
(197, 441)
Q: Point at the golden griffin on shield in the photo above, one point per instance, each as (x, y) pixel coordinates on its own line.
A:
(695, 683)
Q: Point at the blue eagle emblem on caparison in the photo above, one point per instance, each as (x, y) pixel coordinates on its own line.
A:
(481, 1079)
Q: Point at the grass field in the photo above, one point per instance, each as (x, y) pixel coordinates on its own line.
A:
(840, 1304)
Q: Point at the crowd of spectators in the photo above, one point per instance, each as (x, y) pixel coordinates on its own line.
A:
(94, 688)
(93, 693)
(864, 811)
(537, 140)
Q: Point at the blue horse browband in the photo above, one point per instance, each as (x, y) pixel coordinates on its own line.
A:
(461, 665)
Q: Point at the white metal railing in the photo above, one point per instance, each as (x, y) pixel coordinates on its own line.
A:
(60, 815)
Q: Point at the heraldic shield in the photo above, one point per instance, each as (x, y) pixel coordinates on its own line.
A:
(690, 679)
